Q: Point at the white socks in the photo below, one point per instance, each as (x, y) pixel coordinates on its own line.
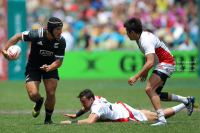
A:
(178, 98)
(160, 115)
(178, 107)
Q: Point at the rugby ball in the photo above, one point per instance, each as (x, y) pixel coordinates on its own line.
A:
(14, 52)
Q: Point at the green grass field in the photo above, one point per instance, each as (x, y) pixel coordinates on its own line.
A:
(16, 117)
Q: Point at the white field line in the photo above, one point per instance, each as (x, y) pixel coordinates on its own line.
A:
(63, 111)
(42, 111)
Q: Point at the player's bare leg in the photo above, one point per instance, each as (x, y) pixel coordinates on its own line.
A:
(32, 88)
(151, 116)
(153, 83)
(50, 85)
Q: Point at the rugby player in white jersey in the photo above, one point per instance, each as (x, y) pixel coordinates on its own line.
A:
(159, 57)
(104, 111)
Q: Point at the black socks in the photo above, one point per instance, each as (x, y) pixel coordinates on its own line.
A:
(39, 104)
(48, 114)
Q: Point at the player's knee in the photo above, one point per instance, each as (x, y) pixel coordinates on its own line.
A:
(33, 94)
(148, 90)
(50, 93)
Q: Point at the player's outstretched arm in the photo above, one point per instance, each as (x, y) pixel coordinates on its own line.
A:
(13, 40)
(81, 112)
(73, 116)
(92, 118)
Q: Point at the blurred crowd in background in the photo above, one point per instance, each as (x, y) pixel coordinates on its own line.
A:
(97, 25)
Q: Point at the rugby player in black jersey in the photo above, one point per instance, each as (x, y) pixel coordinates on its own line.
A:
(46, 55)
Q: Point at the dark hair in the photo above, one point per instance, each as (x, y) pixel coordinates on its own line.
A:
(133, 24)
(87, 93)
(53, 23)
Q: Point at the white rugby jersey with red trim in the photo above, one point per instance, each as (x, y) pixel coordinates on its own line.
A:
(149, 43)
(114, 112)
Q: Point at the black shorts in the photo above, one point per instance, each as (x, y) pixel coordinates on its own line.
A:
(36, 74)
(163, 77)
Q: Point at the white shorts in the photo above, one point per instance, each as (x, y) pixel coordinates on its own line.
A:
(140, 116)
(165, 68)
(137, 114)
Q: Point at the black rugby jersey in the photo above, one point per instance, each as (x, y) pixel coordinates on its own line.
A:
(43, 51)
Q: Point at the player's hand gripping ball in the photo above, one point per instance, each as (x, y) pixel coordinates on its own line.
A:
(14, 52)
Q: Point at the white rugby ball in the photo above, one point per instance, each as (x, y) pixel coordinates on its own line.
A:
(14, 52)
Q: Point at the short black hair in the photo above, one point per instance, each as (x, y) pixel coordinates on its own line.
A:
(134, 24)
(87, 93)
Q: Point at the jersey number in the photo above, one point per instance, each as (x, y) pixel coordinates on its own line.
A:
(108, 104)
